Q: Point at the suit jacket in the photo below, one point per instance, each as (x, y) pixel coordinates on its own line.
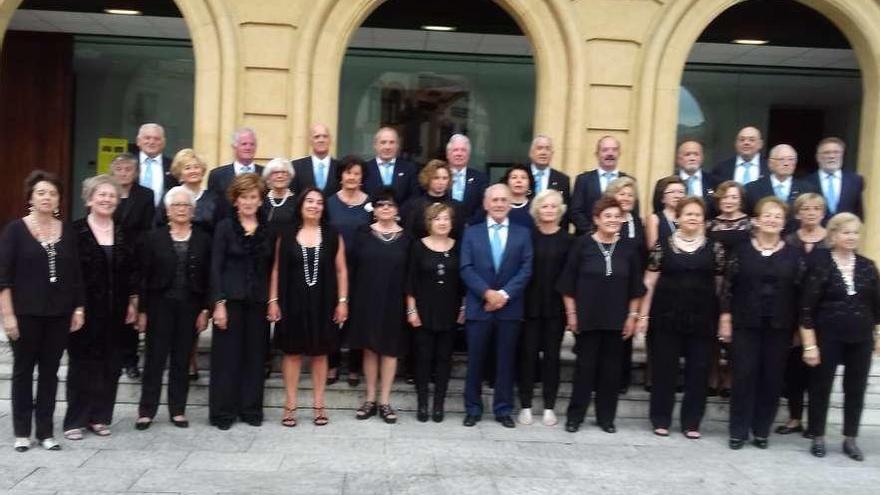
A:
(168, 180)
(219, 180)
(562, 183)
(305, 176)
(762, 187)
(725, 169)
(851, 187)
(475, 185)
(159, 263)
(136, 216)
(710, 182)
(587, 191)
(479, 274)
(405, 181)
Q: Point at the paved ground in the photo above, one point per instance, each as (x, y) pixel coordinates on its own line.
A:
(353, 457)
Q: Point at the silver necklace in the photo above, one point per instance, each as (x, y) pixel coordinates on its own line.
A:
(607, 253)
(847, 272)
(48, 244)
(104, 230)
(765, 251)
(311, 278)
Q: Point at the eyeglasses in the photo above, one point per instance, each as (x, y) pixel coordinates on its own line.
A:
(181, 205)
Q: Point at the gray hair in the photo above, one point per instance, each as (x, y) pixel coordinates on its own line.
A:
(458, 137)
(541, 136)
(542, 197)
(151, 125)
(278, 165)
(91, 184)
(174, 191)
(495, 187)
(779, 147)
(125, 157)
(233, 138)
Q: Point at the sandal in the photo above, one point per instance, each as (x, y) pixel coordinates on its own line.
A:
(74, 434)
(100, 429)
(388, 414)
(321, 418)
(288, 420)
(367, 410)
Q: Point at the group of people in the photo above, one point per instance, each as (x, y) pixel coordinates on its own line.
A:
(388, 260)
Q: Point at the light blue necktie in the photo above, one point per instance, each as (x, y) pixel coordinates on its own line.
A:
(606, 178)
(148, 173)
(539, 181)
(780, 192)
(246, 169)
(495, 244)
(321, 177)
(690, 185)
(458, 185)
(747, 172)
(831, 193)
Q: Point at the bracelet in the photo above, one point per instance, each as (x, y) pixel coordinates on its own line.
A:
(411, 311)
(273, 300)
(644, 317)
(571, 312)
(810, 348)
(79, 312)
(343, 299)
(633, 314)
(220, 301)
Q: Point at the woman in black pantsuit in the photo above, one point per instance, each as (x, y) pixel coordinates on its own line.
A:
(682, 277)
(840, 309)
(241, 259)
(110, 278)
(174, 300)
(601, 284)
(759, 308)
(41, 301)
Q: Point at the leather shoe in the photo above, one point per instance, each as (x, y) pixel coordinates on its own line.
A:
(180, 423)
(437, 416)
(471, 420)
(422, 415)
(736, 443)
(506, 421)
(818, 447)
(761, 443)
(608, 428)
(572, 426)
(224, 426)
(852, 450)
(787, 430)
(143, 425)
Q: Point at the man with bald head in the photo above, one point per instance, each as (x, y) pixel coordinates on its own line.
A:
(589, 186)
(748, 164)
(689, 167)
(154, 169)
(387, 170)
(780, 182)
(318, 169)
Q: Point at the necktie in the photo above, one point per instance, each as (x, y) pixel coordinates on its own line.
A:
(539, 181)
(458, 185)
(780, 192)
(747, 172)
(831, 193)
(321, 177)
(148, 173)
(386, 173)
(606, 178)
(690, 185)
(246, 169)
(495, 244)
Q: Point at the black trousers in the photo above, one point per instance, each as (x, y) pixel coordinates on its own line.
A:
(539, 336)
(759, 357)
(796, 382)
(237, 358)
(93, 375)
(597, 368)
(41, 343)
(626, 364)
(666, 349)
(433, 356)
(128, 347)
(856, 360)
(170, 336)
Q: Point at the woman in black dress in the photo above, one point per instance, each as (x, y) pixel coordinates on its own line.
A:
(436, 180)
(279, 207)
(809, 208)
(377, 316)
(840, 309)
(308, 299)
(758, 315)
(41, 301)
(241, 260)
(662, 224)
(601, 285)
(434, 295)
(174, 301)
(521, 183)
(111, 283)
(683, 274)
(545, 325)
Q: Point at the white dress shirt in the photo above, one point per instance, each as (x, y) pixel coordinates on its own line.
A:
(697, 185)
(545, 180)
(836, 183)
(786, 186)
(605, 180)
(156, 174)
(754, 170)
(502, 232)
(239, 167)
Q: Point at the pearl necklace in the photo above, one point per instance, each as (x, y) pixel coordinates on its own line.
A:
(847, 272)
(283, 200)
(311, 278)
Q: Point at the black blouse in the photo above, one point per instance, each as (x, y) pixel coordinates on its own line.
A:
(433, 280)
(108, 280)
(240, 263)
(836, 315)
(206, 214)
(413, 214)
(602, 300)
(159, 262)
(24, 268)
(730, 232)
(550, 253)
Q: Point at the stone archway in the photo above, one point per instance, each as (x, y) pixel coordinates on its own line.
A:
(670, 42)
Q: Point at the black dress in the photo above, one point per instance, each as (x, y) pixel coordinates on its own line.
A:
(730, 232)
(413, 214)
(433, 280)
(306, 325)
(279, 213)
(665, 227)
(377, 317)
(550, 253)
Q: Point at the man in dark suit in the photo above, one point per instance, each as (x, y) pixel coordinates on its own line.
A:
(589, 186)
(244, 147)
(319, 169)
(689, 167)
(387, 170)
(154, 168)
(842, 189)
(468, 184)
(748, 164)
(544, 176)
(496, 264)
(780, 182)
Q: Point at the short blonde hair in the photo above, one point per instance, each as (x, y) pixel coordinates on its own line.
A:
(90, 185)
(837, 223)
(185, 157)
(542, 197)
(620, 183)
(805, 198)
(431, 168)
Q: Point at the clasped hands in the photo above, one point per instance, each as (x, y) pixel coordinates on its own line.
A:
(493, 300)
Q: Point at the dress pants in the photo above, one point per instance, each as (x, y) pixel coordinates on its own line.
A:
(479, 336)
(237, 359)
(856, 360)
(797, 380)
(544, 336)
(93, 374)
(128, 346)
(433, 354)
(170, 336)
(759, 357)
(626, 364)
(41, 343)
(597, 367)
(665, 349)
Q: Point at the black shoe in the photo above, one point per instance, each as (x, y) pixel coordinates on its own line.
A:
(572, 426)
(622, 390)
(761, 443)
(608, 428)
(712, 392)
(353, 381)
(724, 393)
(422, 414)
(736, 443)
(437, 416)
(254, 422)
(193, 376)
(331, 380)
(786, 430)
(143, 425)
(807, 434)
(224, 426)
(410, 380)
(180, 423)
(506, 421)
(133, 372)
(852, 450)
(471, 420)
(818, 447)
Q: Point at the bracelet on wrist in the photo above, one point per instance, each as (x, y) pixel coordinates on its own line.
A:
(644, 317)
(411, 311)
(273, 300)
(343, 300)
(810, 348)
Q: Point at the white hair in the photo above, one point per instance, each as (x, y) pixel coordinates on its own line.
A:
(151, 126)
(233, 139)
(174, 191)
(539, 137)
(779, 147)
(278, 165)
(496, 187)
(456, 138)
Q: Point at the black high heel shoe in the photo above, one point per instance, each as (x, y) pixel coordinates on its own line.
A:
(422, 414)
(852, 450)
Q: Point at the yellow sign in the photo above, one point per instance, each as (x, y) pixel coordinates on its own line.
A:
(108, 148)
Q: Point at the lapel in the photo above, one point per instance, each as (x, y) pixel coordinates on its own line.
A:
(794, 191)
(595, 185)
(308, 171)
(398, 176)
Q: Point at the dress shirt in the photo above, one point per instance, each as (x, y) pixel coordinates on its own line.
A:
(545, 179)
(836, 184)
(754, 170)
(386, 169)
(502, 232)
(605, 178)
(156, 174)
(459, 183)
(786, 187)
(240, 168)
(696, 188)
(316, 164)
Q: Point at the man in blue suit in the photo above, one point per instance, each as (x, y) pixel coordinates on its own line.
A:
(841, 189)
(496, 263)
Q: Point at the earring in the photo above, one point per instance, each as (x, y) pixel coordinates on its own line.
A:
(30, 208)
(56, 213)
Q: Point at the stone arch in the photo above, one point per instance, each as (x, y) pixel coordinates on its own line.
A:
(558, 60)
(673, 35)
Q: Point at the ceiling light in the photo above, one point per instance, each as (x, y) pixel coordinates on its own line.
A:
(123, 11)
(438, 28)
(747, 41)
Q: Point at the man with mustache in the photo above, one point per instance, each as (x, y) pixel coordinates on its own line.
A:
(589, 186)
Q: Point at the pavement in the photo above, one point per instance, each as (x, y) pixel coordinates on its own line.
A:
(370, 457)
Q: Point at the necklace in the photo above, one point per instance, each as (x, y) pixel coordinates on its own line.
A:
(607, 253)
(94, 224)
(847, 272)
(47, 241)
(311, 278)
(179, 237)
(273, 202)
(766, 251)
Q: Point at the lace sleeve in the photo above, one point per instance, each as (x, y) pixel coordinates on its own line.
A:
(720, 256)
(730, 270)
(813, 288)
(655, 258)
